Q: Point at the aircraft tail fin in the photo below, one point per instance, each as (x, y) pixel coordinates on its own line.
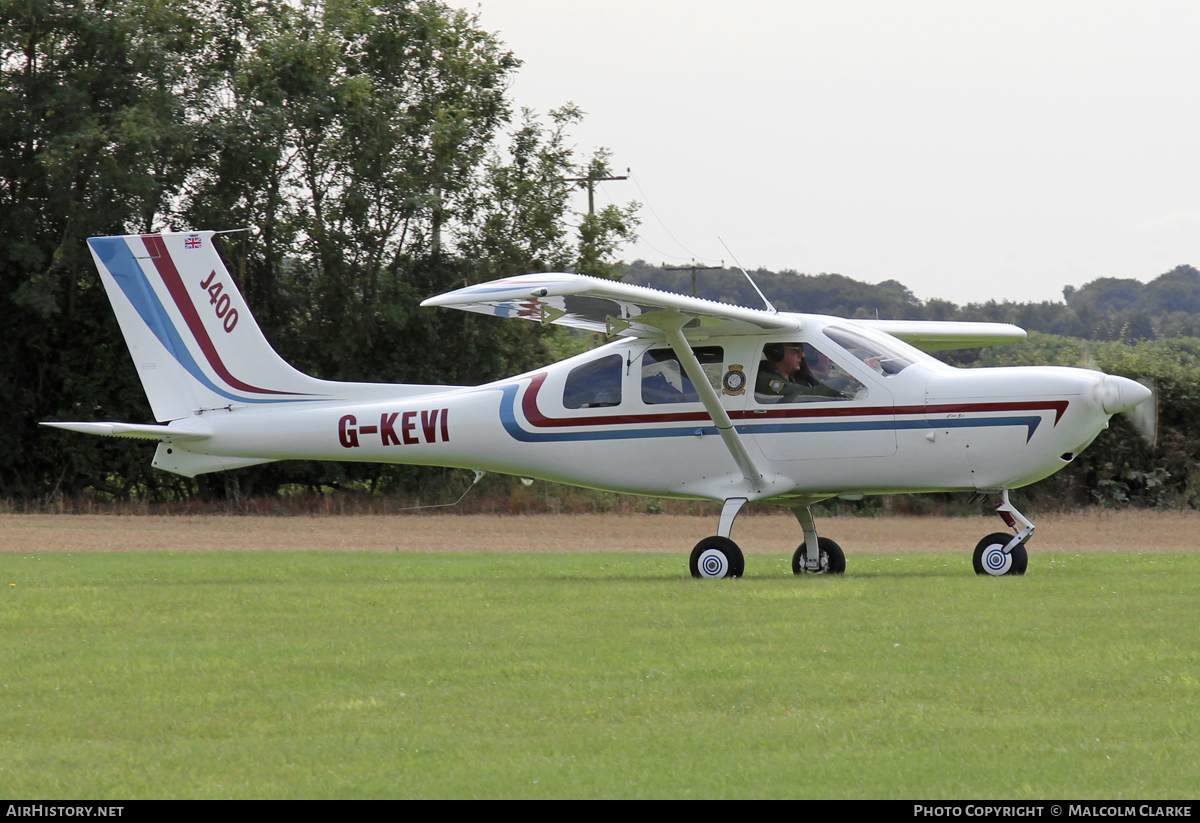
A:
(193, 340)
(197, 349)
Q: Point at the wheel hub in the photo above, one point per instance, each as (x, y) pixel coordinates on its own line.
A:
(713, 563)
(821, 566)
(996, 561)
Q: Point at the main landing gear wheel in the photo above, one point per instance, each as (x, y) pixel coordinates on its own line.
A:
(832, 558)
(989, 557)
(717, 557)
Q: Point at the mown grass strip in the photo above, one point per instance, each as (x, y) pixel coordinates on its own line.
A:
(376, 675)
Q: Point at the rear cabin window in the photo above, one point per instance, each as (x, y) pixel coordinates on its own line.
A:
(664, 380)
(594, 385)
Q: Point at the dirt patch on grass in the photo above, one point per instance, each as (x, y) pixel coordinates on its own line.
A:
(1092, 531)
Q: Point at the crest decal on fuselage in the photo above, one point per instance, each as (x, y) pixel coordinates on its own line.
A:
(734, 381)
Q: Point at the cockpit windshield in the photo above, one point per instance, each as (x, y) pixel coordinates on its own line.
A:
(881, 352)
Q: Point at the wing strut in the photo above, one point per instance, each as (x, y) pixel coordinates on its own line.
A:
(712, 403)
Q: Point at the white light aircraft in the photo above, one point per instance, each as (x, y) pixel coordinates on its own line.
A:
(690, 399)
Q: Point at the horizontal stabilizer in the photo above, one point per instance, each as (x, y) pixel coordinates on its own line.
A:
(944, 335)
(615, 309)
(134, 431)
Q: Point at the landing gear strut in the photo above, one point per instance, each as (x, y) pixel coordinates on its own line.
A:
(1000, 554)
(718, 556)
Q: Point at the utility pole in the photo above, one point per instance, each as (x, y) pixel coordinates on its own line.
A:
(436, 243)
(693, 269)
(591, 186)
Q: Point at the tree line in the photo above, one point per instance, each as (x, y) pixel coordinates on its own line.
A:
(371, 145)
(1107, 308)
(373, 148)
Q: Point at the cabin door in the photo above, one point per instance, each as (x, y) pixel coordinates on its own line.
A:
(808, 402)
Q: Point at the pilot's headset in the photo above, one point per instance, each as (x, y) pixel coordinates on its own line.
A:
(773, 352)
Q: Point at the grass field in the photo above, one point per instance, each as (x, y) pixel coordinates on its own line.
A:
(600, 673)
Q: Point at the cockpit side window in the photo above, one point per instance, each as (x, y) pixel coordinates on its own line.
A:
(664, 380)
(885, 356)
(594, 385)
(792, 372)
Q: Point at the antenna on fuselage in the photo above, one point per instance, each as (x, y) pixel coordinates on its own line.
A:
(748, 277)
(479, 473)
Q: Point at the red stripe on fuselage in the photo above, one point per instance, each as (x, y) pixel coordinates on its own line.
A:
(535, 417)
(1059, 407)
(174, 283)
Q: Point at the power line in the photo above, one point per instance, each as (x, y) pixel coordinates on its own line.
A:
(661, 222)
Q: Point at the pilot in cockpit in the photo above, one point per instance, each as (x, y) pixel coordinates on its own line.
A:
(785, 377)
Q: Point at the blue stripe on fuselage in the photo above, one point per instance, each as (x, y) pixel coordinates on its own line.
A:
(509, 420)
(1031, 423)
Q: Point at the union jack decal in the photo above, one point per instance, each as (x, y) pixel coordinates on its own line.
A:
(192, 243)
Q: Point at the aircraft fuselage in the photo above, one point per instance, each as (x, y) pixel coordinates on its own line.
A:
(604, 420)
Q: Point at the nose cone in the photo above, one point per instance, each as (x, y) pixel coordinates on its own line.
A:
(1118, 394)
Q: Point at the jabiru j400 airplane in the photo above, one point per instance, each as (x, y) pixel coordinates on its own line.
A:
(689, 399)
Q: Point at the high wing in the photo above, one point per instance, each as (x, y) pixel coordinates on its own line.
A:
(943, 335)
(616, 309)
(624, 310)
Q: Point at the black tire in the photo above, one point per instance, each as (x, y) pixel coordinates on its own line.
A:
(830, 552)
(717, 557)
(983, 558)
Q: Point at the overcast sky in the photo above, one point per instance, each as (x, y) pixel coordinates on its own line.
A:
(971, 150)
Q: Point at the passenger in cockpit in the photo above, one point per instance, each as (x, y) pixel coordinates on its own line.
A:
(832, 375)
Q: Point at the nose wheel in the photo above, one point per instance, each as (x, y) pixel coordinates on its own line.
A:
(990, 557)
(1001, 553)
